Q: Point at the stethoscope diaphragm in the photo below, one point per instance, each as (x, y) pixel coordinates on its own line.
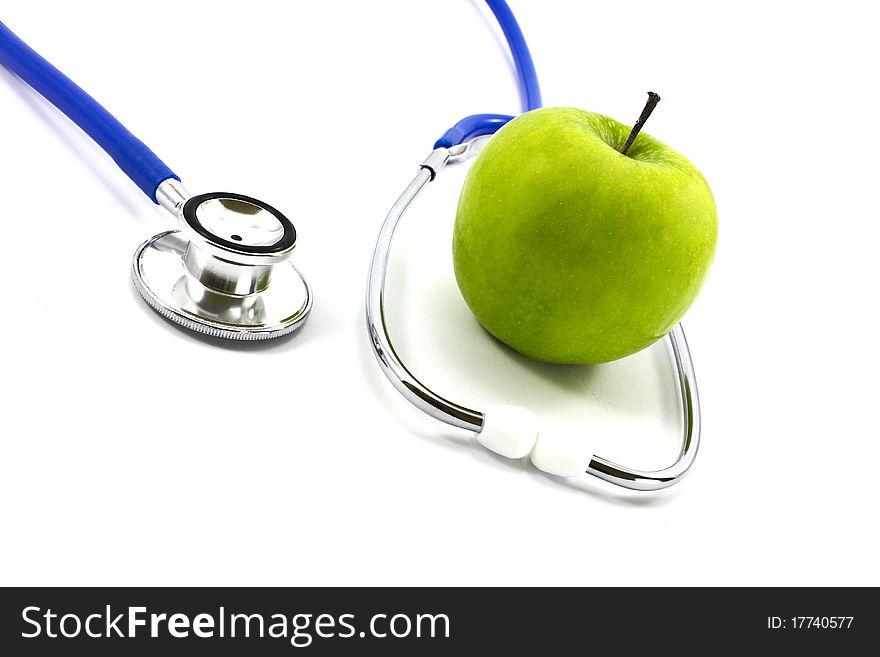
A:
(226, 272)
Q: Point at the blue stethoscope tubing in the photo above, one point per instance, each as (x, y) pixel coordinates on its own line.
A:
(478, 125)
(137, 161)
(145, 168)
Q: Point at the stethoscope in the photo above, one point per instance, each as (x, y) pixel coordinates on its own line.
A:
(225, 270)
(512, 431)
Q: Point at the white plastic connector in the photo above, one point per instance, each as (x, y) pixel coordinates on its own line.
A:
(509, 430)
(561, 454)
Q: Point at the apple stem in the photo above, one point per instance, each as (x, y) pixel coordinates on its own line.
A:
(653, 99)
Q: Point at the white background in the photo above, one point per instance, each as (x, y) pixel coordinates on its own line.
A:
(136, 453)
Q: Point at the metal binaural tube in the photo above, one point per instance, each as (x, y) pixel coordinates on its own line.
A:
(444, 410)
(690, 405)
(411, 388)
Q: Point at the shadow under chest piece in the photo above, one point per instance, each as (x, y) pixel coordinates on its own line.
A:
(226, 271)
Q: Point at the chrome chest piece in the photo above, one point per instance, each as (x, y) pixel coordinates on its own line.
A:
(226, 272)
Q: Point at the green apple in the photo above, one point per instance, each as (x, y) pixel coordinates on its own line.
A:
(570, 251)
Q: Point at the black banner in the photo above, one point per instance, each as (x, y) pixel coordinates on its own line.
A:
(287, 621)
